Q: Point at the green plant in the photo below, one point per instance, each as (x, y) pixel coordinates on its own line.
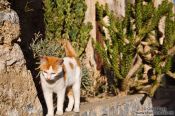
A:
(86, 82)
(135, 44)
(65, 20)
(42, 47)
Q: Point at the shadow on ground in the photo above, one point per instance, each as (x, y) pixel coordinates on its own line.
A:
(164, 99)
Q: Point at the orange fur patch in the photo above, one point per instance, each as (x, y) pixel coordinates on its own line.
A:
(78, 62)
(71, 65)
(64, 69)
(70, 52)
(69, 91)
(50, 61)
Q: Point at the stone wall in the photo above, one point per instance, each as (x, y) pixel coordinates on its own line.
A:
(134, 105)
(18, 95)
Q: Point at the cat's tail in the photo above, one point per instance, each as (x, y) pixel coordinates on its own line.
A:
(70, 52)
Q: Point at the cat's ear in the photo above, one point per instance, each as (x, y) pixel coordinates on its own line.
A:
(43, 59)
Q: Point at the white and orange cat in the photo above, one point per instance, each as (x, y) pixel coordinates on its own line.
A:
(59, 74)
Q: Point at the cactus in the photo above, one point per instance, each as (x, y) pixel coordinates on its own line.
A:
(135, 43)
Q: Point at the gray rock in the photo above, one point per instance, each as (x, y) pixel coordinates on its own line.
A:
(18, 94)
(9, 15)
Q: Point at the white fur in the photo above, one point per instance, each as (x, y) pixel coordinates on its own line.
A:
(73, 78)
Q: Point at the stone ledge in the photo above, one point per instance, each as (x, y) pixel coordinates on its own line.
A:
(117, 106)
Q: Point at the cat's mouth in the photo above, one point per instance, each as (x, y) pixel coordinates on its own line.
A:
(58, 76)
(49, 78)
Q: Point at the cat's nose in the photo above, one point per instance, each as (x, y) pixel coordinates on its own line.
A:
(48, 77)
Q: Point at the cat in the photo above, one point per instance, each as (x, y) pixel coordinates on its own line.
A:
(59, 75)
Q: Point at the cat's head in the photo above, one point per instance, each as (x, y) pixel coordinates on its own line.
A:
(50, 67)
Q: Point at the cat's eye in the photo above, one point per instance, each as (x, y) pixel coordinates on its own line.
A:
(44, 72)
(52, 73)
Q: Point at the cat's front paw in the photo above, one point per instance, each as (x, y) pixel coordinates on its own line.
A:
(59, 113)
(68, 109)
(49, 115)
(76, 110)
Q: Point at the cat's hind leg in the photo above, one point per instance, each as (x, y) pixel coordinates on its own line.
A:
(76, 92)
(71, 99)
